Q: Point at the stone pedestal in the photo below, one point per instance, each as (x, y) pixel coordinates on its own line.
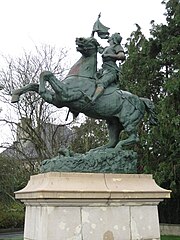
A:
(91, 206)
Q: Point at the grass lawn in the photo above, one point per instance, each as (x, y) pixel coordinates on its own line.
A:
(170, 238)
(11, 238)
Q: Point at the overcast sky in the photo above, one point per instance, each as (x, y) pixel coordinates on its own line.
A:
(26, 23)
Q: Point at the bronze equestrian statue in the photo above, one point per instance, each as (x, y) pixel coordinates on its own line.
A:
(122, 110)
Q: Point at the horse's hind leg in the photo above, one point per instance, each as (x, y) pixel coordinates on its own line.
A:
(130, 127)
(114, 128)
(132, 139)
(18, 92)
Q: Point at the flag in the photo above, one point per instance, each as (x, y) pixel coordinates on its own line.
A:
(101, 30)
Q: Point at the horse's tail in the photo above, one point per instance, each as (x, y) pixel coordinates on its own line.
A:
(150, 110)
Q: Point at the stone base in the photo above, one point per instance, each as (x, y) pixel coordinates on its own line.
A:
(82, 206)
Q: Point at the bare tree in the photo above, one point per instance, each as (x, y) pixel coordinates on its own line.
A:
(32, 123)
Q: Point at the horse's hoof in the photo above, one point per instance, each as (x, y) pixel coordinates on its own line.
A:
(98, 149)
(118, 148)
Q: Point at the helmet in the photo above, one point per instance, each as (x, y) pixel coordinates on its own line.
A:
(116, 37)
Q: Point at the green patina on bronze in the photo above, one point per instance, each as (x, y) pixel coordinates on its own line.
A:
(102, 161)
(96, 95)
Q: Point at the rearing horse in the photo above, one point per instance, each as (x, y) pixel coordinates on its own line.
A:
(121, 110)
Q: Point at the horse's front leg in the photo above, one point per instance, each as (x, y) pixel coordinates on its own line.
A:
(61, 90)
(47, 95)
(56, 85)
(42, 85)
(18, 92)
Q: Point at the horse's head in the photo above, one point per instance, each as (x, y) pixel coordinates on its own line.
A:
(87, 46)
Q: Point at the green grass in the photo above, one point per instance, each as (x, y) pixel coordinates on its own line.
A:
(19, 237)
(11, 239)
(170, 238)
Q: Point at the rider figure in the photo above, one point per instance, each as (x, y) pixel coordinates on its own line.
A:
(110, 71)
